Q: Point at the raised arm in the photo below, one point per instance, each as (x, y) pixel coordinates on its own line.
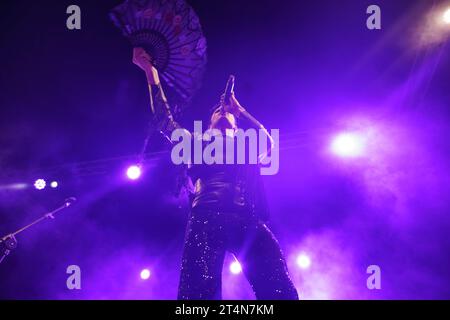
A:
(239, 111)
(158, 102)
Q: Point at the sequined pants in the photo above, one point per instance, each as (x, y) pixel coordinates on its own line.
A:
(210, 234)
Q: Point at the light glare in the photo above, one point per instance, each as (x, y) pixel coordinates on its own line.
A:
(235, 267)
(145, 274)
(348, 145)
(303, 261)
(446, 16)
(40, 184)
(133, 172)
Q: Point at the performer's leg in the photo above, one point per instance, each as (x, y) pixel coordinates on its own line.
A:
(203, 255)
(264, 265)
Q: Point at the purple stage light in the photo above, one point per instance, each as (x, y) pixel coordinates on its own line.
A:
(133, 172)
(348, 145)
(14, 186)
(235, 267)
(40, 184)
(54, 184)
(303, 261)
(446, 16)
(145, 274)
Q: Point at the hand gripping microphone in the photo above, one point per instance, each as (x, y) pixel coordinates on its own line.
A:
(229, 89)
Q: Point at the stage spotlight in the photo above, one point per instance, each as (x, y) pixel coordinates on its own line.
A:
(40, 184)
(133, 172)
(54, 184)
(235, 267)
(348, 145)
(14, 186)
(303, 261)
(145, 274)
(446, 16)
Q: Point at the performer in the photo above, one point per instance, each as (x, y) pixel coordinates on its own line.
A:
(228, 213)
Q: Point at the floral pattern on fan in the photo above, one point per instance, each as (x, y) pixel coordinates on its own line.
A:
(170, 31)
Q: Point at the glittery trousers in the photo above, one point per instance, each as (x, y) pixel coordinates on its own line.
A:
(210, 234)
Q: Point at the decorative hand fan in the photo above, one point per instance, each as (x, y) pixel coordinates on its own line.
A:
(170, 31)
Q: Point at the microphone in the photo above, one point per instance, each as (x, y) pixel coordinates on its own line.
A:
(229, 89)
(9, 242)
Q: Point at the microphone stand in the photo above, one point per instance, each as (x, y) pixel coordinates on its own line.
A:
(9, 242)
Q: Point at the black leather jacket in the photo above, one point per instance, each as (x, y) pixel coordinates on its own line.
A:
(229, 187)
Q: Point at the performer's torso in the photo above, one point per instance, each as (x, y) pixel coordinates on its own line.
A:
(219, 187)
